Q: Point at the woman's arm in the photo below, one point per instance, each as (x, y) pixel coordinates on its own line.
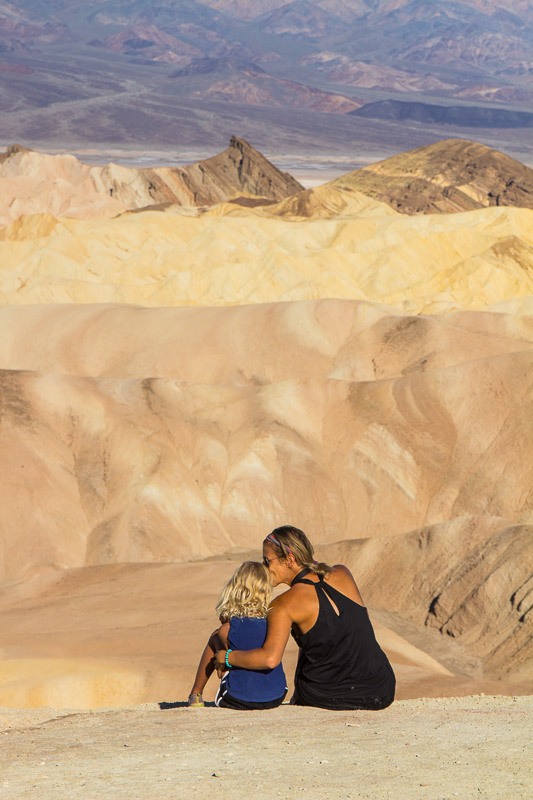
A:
(222, 633)
(270, 654)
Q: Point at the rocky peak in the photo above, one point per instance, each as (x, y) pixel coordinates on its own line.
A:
(242, 168)
(13, 150)
(106, 191)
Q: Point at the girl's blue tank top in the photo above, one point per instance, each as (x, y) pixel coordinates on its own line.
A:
(253, 685)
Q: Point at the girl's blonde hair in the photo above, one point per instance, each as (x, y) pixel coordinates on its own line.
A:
(247, 593)
(288, 540)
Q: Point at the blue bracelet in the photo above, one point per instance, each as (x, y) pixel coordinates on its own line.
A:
(226, 658)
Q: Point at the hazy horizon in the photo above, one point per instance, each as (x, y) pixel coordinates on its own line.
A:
(310, 79)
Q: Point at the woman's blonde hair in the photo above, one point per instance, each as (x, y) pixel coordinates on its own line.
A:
(247, 593)
(287, 540)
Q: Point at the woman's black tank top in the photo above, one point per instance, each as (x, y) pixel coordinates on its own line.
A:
(340, 664)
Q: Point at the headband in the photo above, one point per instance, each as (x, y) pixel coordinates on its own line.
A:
(272, 538)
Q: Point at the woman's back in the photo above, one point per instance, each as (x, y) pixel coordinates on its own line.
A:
(304, 602)
(340, 665)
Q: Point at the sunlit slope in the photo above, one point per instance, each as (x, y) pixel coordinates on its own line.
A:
(106, 471)
(467, 578)
(445, 177)
(233, 420)
(339, 247)
(411, 445)
(251, 345)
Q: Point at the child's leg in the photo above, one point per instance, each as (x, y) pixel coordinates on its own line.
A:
(206, 667)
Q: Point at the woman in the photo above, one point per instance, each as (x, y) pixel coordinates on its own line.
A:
(340, 664)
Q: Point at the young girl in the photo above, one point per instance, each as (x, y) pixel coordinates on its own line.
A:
(242, 610)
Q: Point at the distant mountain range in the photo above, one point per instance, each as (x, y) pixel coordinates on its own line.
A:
(318, 56)
(469, 116)
(234, 80)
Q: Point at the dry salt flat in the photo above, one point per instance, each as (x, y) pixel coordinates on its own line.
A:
(432, 749)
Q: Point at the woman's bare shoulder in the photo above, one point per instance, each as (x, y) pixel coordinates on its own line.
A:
(280, 601)
(292, 601)
(341, 568)
(342, 579)
(340, 572)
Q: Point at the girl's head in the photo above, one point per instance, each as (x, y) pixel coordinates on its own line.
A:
(288, 550)
(247, 593)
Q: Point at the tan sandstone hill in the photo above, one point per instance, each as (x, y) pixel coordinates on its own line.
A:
(448, 176)
(33, 182)
(201, 458)
(140, 436)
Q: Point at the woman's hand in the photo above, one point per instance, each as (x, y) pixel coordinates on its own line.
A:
(220, 662)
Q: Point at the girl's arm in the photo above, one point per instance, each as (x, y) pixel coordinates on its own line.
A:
(270, 654)
(206, 667)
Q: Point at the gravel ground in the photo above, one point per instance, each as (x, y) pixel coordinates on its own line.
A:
(439, 748)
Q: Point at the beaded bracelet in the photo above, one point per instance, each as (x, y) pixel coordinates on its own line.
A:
(226, 658)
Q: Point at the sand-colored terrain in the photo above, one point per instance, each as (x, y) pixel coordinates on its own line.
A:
(346, 246)
(176, 382)
(440, 749)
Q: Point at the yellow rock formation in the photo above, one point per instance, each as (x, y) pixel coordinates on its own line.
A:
(122, 469)
(234, 255)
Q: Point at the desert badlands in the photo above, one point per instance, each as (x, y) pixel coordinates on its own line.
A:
(190, 357)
